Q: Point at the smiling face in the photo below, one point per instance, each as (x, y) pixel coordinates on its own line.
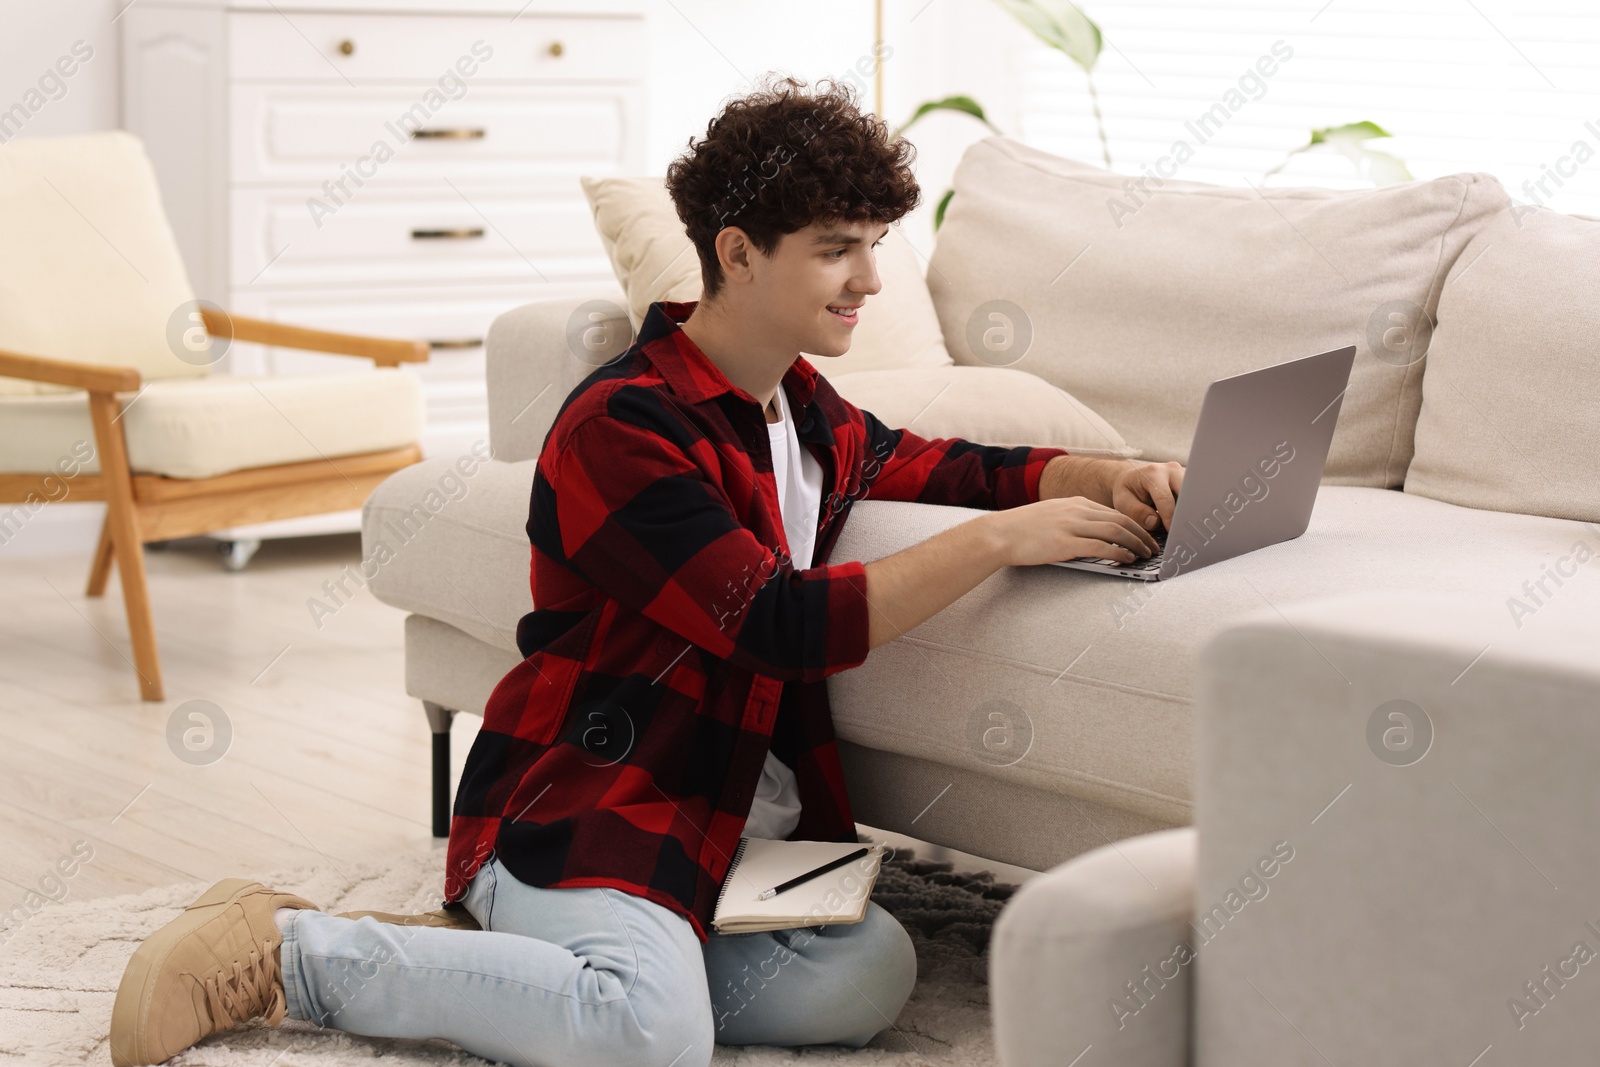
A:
(826, 265)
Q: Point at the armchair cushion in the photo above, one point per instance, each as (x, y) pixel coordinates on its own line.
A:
(202, 427)
(89, 268)
(655, 260)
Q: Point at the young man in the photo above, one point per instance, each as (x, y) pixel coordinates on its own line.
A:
(673, 698)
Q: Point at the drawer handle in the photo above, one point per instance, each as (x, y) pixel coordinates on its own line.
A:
(457, 342)
(446, 235)
(556, 48)
(347, 47)
(463, 134)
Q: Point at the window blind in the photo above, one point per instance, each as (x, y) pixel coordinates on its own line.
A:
(1463, 85)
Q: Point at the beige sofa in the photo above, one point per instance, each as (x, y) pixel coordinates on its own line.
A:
(1051, 712)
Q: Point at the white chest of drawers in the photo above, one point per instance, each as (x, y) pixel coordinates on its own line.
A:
(404, 168)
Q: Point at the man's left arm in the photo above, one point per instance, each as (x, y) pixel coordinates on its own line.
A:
(900, 465)
(962, 473)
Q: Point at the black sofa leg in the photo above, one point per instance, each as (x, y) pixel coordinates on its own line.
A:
(439, 719)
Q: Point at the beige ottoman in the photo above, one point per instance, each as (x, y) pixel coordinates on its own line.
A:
(1097, 954)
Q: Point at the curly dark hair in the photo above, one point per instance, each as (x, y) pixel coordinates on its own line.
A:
(778, 159)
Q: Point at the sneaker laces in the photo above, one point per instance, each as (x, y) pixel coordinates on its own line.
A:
(254, 988)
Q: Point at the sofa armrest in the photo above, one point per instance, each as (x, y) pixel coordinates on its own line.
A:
(538, 353)
(1086, 956)
(445, 539)
(1395, 794)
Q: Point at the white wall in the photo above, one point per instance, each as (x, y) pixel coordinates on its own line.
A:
(707, 51)
(34, 34)
(704, 52)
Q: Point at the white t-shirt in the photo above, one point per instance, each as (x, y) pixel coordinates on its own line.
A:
(775, 809)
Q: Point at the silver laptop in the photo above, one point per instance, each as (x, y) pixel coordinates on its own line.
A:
(1254, 467)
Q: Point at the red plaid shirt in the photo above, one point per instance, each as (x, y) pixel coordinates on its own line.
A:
(672, 639)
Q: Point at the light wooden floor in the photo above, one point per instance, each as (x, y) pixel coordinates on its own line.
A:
(329, 758)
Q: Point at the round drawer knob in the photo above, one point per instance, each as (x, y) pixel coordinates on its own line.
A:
(556, 48)
(347, 47)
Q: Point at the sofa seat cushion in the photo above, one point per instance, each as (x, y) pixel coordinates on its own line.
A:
(202, 427)
(1084, 684)
(1075, 683)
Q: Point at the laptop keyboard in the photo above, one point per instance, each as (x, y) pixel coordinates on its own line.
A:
(1150, 564)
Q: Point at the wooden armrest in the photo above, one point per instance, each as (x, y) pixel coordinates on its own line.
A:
(95, 377)
(384, 351)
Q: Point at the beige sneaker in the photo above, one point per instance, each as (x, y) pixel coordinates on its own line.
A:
(449, 917)
(210, 969)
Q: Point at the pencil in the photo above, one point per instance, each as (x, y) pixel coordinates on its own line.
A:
(767, 894)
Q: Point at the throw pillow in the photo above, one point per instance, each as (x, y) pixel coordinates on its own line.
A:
(655, 260)
(987, 405)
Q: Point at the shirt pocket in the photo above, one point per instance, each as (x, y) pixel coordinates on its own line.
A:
(550, 698)
(535, 695)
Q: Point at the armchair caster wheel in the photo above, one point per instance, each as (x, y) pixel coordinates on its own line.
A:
(236, 555)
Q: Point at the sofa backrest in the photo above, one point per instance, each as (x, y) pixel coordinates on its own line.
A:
(1510, 416)
(90, 271)
(1135, 293)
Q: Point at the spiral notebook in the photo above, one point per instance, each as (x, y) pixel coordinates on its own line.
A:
(837, 896)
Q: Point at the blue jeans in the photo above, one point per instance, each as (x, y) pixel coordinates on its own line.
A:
(563, 977)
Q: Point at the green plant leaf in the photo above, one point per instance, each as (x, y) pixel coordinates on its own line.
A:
(964, 104)
(1060, 24)
(1350, 131)
(938, 212)
(1385, 169)
(1350, 141)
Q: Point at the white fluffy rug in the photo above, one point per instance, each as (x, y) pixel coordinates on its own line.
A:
(59, 973)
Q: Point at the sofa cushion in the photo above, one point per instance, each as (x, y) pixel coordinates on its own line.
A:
(201, 427)
(1508, 402)
(1083, 684)
(1135, 309)
(655, 260)
(990, 405)
(89, 268)
(1061, 680)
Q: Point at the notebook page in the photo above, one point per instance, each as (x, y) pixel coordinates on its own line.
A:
(766, 862)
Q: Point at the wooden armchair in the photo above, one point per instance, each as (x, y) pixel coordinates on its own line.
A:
(88, 265)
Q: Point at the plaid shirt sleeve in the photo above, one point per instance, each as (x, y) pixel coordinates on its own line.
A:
(949, 470)
(640, 520)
